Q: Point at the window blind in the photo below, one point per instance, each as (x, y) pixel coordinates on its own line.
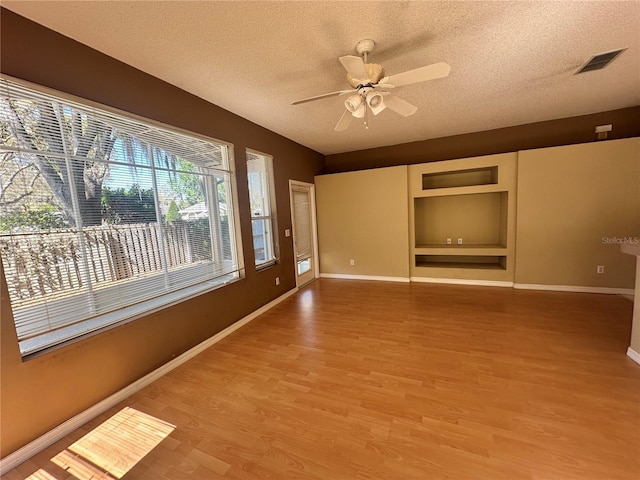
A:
(105, 217)
(262, 203)
(302, 216)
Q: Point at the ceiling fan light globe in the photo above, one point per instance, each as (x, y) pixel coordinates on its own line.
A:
(353, 103)
(360, 111)
(376, 103)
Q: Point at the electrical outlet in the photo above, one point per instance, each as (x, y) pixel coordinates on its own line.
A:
(600, 269)
(277, 280)
(448, 241)
(287, 233)
(352, 262)
(459, 241)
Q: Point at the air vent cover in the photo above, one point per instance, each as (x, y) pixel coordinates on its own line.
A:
(600, 61)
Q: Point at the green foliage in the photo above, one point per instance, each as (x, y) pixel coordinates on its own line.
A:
(186, 183)
(173, 213)
(41, 217)
(135, 205)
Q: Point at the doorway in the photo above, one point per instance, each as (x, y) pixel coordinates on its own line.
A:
(305, 241)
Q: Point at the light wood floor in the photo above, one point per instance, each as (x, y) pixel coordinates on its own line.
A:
(373, 380)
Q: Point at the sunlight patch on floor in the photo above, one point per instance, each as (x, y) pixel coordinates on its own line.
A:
(41, 475)
(112, 449)
(79, 467)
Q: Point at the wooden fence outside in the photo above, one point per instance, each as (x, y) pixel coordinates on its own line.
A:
(44, 263)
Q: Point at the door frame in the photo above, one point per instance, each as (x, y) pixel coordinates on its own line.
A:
(314, 228)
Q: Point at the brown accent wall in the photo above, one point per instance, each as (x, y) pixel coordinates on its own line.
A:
(39, 394)
(565, 131)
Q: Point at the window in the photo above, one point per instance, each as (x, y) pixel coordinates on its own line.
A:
(103, 217)
(262, 202)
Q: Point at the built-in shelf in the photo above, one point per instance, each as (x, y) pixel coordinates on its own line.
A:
(460, 178)
(460, 250)
(461, 247)
(493, 262)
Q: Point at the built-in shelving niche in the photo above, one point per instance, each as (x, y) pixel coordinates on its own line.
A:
(460, 178)
(479, 219)
(472, 199)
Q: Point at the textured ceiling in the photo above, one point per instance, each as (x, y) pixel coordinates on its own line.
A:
(512, 62)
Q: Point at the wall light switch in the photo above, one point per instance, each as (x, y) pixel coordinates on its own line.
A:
(287, 233)
(277, 280)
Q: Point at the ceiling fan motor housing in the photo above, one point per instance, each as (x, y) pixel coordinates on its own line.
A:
(374, 71)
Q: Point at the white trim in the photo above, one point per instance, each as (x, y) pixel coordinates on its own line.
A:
(574, 288)
(461, 281)
(314, 228)
(23, 454)
(365, 277)
(633, 355)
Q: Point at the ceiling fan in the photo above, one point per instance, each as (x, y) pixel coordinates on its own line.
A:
(370, 86)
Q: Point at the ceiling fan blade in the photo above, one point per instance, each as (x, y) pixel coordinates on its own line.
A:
(344, 122)
(400, 106)
(318, 97)
(422, 74)
(355, 67)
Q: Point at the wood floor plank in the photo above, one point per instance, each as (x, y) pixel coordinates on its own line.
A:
(373, 380)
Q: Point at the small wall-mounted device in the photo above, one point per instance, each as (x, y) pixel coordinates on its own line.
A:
(602, 131)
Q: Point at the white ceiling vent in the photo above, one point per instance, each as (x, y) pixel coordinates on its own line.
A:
(600, 61)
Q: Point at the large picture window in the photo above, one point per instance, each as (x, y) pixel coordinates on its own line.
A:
(104, 217)
(263, 210)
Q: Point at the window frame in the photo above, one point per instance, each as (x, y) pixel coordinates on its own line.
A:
(132, 311)
(268, 186)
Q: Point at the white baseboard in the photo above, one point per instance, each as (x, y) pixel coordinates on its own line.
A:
(365, 277)
(574, 288)
(21, 455)
(633, 355)
(629, 292)
(460, 281)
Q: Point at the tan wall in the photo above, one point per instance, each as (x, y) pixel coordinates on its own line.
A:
(364, 216)
(39, 394)
(569, 199)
